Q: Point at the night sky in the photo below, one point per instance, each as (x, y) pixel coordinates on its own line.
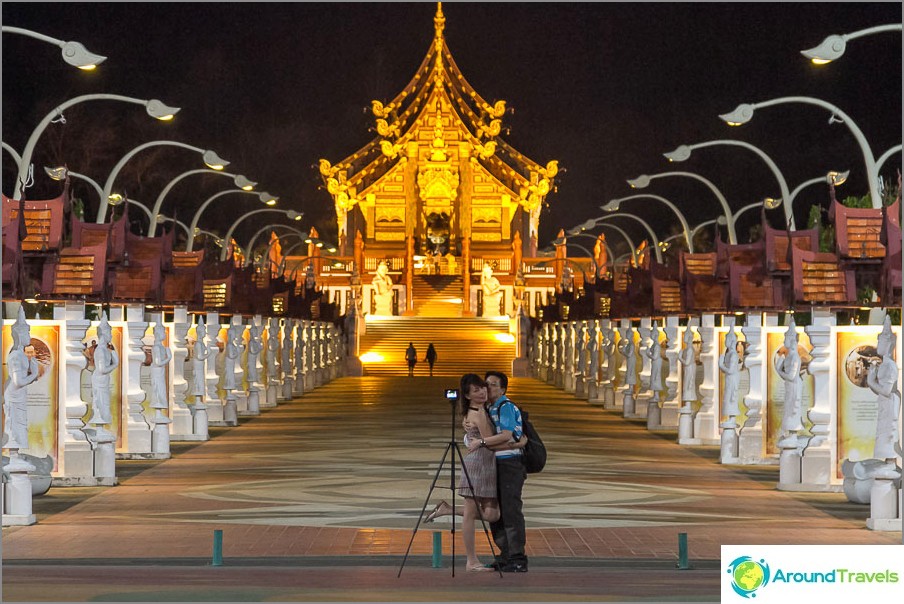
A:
(603, 88)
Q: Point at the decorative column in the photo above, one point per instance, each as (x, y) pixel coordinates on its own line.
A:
(592, 376)
(272, 365)
(672, 402)
(817, 465)
(751, 440)
(548, 352)
(644, 395)
(299, 357)
(705, 424)
(182, 426)
(571, 345)
(214, 371)
(77, 463)
(138, 430)
(239, 395)
(319, 354)
(689, 389)
(607, 349)
(252, 365)
(581, 355)
(288, 377)
(309, 382)
(232, 376)
(160, 391)
(106, 360)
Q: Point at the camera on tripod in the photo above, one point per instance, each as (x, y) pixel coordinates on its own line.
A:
(451, 394)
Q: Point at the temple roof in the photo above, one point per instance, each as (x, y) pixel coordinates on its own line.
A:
(397, 122)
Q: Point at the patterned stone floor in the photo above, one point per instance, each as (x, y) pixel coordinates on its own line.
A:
(345, 470)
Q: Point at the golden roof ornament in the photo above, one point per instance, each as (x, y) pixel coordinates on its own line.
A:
(439, 20)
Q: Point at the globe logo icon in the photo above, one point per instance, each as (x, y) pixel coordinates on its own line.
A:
(748, 575)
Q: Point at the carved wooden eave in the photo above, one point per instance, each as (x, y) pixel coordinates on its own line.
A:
(437, 85)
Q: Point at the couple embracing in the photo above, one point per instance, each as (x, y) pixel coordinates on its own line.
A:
(494, 438)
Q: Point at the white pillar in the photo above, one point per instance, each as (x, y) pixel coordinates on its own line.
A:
(644, 395)
(706, 422)
(671, 404)
(77, 460)
(818, 463)
(299, 357)
(751, 440)
(180, 413)
(138, 430)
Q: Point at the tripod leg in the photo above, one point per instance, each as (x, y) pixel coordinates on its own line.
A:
(470, 484)
(427, 501)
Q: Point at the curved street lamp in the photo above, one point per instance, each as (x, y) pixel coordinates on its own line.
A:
(265, 198)
(154, 108)
(291, 214)
(743, 113)
(884, 157)
(614, 204)
(657, 248)
(293, 231)
(684, 152)
(833, 46)
(74, 53)
(643, 181)
(589, 236)
(210, 158)
(240, 181)
(16, 157)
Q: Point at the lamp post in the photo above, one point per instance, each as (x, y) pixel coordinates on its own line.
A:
(250, 247)
(684, 152)
(589, 236)
(162, 218)
(643, 181)
(884, 157)
(614, 204)
(265, 198)
(74, 53)
(211, 159)
(292, 214)
(830, 178)
(154, 108)
(595, 221)
(743, 113)
(240, 181)
(833, 46)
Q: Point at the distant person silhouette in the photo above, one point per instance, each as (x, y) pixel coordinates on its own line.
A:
(411, 357)
(431, 357)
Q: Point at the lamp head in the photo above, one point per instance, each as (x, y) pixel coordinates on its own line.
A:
(157, 109)
(293, 215)
(680, 154)
(243, 183)
(612, 206)
(268, 199)
(742, 114)
(828, 50)
(214, 161)
(574, 230)
(837, 178)
(721, 220)
(76, 54)
(770, 203)
(59, 173)
(115, 199)
(641, 182)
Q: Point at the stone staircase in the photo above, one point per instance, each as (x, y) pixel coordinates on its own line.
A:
(462, 345)
(437, 295)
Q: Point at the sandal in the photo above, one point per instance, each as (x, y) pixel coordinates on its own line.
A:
(478, 568)
(436, 512)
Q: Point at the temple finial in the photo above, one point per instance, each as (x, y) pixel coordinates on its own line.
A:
(439, 20)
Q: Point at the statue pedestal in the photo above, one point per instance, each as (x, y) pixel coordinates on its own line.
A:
(751, 445)
(17, 510)
(789, 469)
(884, 505)
(521, 367)
(815, 470)
(593, 392)
(728, 452)
(654, 416)
(686, 425)
(608, 396)
(200, 425)
(160, 440)
(579, 391)
(271, 398)
(628, 404)
(230, 409)
(104, 454)
(254, 406)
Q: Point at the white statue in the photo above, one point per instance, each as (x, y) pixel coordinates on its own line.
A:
(161, 356)
(272, 352)
(287, 350)
(730, 365)
(628, 351)
(199, 355)
(382, 284)
(654, 353)
(582, 351)
(594, 350)
(299, 349)
(788, 368)
(688, 360)
(608, 347)
(23, 370)
(106, 359)
(255, 346)
(882, 379)
(232, 352)
(492, 291)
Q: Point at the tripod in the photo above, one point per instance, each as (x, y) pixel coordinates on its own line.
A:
(451, 446)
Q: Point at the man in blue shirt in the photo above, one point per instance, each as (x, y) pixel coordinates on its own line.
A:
(508, 532)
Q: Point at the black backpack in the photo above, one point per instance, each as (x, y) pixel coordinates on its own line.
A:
(534, 453)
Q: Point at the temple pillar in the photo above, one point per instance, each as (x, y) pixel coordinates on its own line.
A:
(668, 414)
(817, 464)
(77, 460)
(213, 371)
(705, 422)
(182, 427)
(751, 440)
(138, 432)
(466, 277)
(643, 398)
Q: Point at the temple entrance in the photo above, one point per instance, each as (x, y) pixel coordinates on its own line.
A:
(438, 239)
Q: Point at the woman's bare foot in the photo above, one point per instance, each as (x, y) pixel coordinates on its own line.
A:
(441, 509)
(477, 567)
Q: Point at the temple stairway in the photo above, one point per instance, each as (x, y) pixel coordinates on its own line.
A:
(437, 295)
(462, 345)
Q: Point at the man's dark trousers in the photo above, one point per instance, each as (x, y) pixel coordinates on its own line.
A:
(508, 531)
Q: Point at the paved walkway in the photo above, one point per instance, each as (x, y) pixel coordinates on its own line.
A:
(317, 500)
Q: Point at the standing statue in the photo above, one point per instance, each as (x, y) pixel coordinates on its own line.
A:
(581, 367)
(272, 352)
(200, 352)
(882, 379)
(106, 359)
(608, 347)
(628, 351)
(161, 356)
(255, 346)
(788, 368)
(232, 352)
(286, 351)
(592, 372)
(23, 370)
(654, 353)
(730, 365)
(492, 292)
(688, 360)
(382, 284)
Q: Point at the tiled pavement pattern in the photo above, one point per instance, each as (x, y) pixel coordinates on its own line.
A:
(308, 487)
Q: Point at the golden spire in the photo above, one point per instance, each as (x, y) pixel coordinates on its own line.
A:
(439, 20)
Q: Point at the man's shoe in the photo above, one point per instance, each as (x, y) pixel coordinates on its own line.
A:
(515, 567)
